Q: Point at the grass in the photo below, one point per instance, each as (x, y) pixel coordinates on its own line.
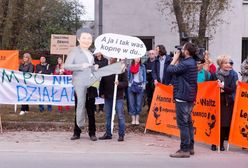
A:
(8, 114)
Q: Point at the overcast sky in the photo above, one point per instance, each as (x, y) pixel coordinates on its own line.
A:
(89, 6)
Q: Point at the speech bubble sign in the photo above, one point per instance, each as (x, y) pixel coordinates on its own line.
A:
(120, 46)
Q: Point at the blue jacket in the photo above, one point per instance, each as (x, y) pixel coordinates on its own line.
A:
(142, 75)
(184, 80)
(156, 70)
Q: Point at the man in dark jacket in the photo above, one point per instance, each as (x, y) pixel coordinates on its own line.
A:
(101, 61)
(185, 90)
(162, 61)
(44, 68)
(149, 64)
(107, 91)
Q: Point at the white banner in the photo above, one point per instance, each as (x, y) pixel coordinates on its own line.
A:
(28, 88)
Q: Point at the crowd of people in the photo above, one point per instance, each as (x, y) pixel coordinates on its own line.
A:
(140, 79)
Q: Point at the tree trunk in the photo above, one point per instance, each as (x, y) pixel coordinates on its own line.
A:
(11, 27)
(203, 23)
(179, 17)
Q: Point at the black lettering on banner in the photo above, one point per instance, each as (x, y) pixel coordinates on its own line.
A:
(163, 99)
(244, 94)
(207, 102)
(244, 114)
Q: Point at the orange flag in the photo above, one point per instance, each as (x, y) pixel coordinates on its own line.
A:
(9, 59)
(239, 126)
(205, 115)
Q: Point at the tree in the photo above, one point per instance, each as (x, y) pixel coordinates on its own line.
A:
(28, 24)
(195, 18)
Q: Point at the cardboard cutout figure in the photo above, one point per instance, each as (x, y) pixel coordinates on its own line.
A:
(81, 61)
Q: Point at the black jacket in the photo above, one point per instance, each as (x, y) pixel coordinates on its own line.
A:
(226, 98)
(45, 69)
(156, 71)
(107, 86)
(185, 79)
(149, 70)
(103, 62)
(27, 67)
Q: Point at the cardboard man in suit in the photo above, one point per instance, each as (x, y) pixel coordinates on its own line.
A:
(81, 61)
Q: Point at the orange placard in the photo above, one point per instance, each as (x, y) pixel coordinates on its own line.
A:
(9, 59)
(205, 115)
(239, 126)
(162, 114)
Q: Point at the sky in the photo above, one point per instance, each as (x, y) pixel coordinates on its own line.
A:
(89, 6)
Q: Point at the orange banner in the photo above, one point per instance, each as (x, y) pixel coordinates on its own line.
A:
(205, 115)
(239, 126)
(9, 59)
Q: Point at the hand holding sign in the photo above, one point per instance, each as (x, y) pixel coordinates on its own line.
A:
(120, 46)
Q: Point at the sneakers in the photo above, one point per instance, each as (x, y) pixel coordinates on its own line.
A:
(93, 138)
(213, 147)
(23, 112)
(133, 120)
(74, 137)
(137, 120)
(121, 138)
(180, 154)
(105, 137)
(191, 152)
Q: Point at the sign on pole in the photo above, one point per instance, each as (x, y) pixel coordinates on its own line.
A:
(62, 44)
(121, 47)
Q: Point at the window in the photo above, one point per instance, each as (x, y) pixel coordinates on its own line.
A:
(244, 48)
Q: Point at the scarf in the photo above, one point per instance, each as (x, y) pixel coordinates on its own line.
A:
(134, 68)
(221, 74)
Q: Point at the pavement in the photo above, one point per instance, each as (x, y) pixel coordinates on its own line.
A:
(27, 149)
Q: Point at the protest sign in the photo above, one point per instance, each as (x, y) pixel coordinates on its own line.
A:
(120, 46)
(9, 59)
(62, 44)
(205, 115)
(28, 88)
(239, 126)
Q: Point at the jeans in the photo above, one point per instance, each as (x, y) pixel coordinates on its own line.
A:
(25, 107)
(135, 102)
(120, 113)
(185, 125)
(49, 108)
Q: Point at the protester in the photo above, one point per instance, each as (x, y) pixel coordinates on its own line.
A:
(60, 70)
(162, 61)
(202, 74)
(136, 87)
(101, 61)
(235, 75)
(244, 70)
(80, 60)
(26, 66)
(184, 93)
(209, 66)
(44, 68)
(227, 83)
(149, 64)
(107, 91)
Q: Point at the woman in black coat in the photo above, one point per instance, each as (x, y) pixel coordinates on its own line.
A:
(227, 82)
(26, 66)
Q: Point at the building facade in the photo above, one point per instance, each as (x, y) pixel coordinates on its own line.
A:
(141, 18)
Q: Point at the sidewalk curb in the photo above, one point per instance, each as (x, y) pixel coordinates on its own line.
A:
(61, 126)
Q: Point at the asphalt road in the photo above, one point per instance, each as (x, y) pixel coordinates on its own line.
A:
(55, 150)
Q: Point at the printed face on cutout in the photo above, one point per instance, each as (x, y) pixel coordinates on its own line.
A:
(85, 40)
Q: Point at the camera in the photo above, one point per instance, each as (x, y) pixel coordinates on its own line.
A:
(198, 56)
